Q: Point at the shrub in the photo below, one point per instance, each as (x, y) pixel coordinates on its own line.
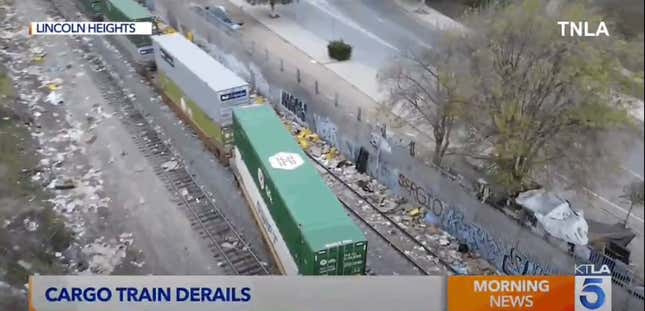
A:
(339, 50)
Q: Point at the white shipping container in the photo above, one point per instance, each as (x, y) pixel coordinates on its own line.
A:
(213, 87)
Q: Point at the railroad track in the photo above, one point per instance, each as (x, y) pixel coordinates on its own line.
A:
(233, 254)
(424, 259)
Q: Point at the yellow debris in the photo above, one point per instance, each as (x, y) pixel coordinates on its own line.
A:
(52, 87)
(260, 100)
(303, 134)
(189, 36)
(307, 134)
(314, 138)
(304, 143)
(332, 154)
(415, 212)
(39, 60)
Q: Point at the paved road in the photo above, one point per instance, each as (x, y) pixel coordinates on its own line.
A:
(391, 22)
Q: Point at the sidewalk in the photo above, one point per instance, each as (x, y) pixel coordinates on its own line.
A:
(357, 71)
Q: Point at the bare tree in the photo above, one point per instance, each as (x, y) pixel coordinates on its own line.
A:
(635, 193)
(540, 100)
(426, 83)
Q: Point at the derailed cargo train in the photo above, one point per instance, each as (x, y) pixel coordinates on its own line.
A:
(303, 221)
(202, 90)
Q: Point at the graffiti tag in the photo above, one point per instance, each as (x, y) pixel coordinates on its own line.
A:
(293, 104)
(511, 262)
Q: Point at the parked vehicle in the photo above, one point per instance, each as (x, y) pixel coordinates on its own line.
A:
(217, 16)
(301, 218)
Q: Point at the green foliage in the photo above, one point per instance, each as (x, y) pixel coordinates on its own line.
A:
(6, 89)
(339, 50)
(54, 231)
(537, 101)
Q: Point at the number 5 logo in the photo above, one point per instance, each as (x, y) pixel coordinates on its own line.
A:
(593, 296)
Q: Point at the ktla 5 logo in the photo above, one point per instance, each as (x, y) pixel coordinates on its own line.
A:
(593, 288)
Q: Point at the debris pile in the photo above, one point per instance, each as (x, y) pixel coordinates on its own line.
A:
(415, 220)
(45, 87)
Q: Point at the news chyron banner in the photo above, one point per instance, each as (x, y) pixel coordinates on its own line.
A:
(90, 28)
(236, 293)
(589, 289)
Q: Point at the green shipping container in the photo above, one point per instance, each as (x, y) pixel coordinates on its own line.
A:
(320, 236)
(129, 11)
(94, 8)
(218, 135)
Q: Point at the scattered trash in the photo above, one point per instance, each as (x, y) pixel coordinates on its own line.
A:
(30, 225)
(228, 245)
(91, 139)
(54, 99)
(24, 264)
(63, 184)
(170, 165)
(414, 213)
(431, 219)
(364, 184)
(138, 264)
(463, 270)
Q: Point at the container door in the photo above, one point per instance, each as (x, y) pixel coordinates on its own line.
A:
(354, 258)
(348, 251)
(327, 261)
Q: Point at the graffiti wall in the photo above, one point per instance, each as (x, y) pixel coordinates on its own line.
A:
(507, 258)
(294, 104)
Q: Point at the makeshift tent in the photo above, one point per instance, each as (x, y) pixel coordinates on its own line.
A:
(556, 216)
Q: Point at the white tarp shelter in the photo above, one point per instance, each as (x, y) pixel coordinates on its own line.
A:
(556, 216)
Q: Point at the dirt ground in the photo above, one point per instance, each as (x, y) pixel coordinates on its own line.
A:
(76, 195)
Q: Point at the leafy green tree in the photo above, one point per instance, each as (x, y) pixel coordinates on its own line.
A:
(536, 101)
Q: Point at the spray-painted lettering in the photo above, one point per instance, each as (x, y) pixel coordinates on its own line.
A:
(293, 104)
(507, 259)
